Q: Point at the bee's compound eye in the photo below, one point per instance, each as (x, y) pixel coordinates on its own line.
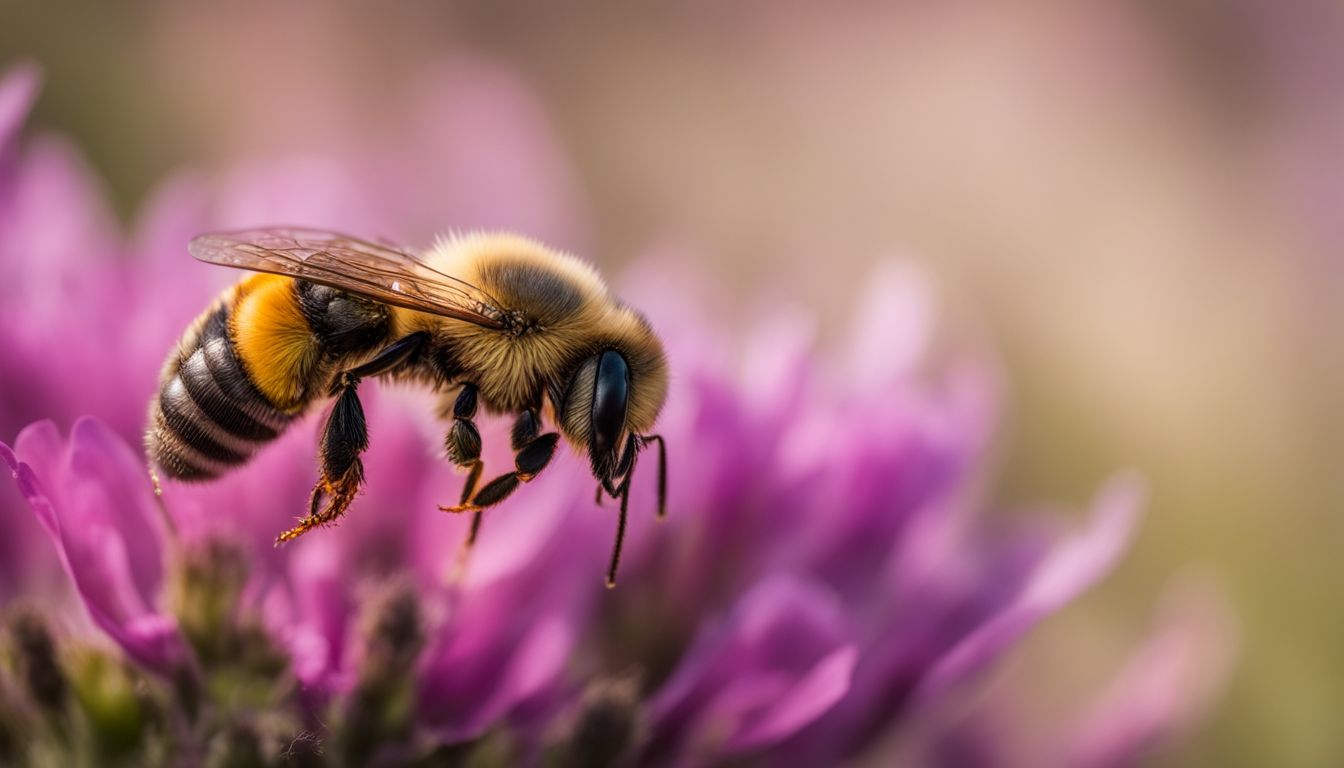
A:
(611, 390)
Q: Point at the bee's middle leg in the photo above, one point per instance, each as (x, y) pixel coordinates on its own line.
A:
(345, 436)
(463, 443)
(532, 452)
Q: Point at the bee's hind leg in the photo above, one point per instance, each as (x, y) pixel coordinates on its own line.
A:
(345, 436)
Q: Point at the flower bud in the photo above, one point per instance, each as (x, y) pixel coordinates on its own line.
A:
(608, 726)
(382, 704)
(204, 596)
(395, 633)
(35, 654)
(106, 694)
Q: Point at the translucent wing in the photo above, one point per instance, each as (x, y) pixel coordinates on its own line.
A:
(376, 271)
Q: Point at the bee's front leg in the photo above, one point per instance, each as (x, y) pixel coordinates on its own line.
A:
(625, 468)
(345, 436)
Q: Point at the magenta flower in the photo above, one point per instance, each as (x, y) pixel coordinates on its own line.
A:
(822, 579)
(105, 531)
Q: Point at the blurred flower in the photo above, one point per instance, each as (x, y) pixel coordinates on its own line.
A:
(821, 580)
(1171, 679)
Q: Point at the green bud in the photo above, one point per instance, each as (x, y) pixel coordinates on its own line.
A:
(106, 693)
(207, 584)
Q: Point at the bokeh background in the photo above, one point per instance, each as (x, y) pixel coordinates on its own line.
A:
(1139, 208)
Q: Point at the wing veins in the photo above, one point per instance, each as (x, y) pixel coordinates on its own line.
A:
(378, 272)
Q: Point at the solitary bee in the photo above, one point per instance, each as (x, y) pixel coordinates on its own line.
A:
(493, 320)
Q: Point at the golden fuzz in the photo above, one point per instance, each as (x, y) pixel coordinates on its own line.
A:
(274, 340)
(576, 317)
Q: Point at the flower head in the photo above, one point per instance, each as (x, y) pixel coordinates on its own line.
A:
(823, 577)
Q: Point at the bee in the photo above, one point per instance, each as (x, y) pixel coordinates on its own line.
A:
(493, 321)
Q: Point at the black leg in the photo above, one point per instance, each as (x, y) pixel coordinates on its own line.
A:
(463, 441)
(464, 449)
(391, 356)
(532, 453)
(620, 523)
(345, 436)
(469, 488)
(622, 469)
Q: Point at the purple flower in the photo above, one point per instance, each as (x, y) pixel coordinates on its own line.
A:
(777, 662)
(89, 493)
(823, 578)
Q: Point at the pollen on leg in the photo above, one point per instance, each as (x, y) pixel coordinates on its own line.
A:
(338, 495)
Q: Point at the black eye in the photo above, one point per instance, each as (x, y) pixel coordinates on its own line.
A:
(610, 395)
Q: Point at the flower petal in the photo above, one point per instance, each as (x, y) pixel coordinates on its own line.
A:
(18, 91)
(891, 327)
(1170, 681)
(1066, 571)
(779, 660)
(93, 498)
(810, 697)
(507, 640)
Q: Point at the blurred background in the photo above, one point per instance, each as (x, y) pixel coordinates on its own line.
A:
(1139, 208)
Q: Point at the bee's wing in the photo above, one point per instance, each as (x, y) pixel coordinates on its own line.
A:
(376, 271)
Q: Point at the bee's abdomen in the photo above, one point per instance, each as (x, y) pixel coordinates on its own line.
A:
(208, 416)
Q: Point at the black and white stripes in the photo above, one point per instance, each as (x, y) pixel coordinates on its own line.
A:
(208, 416)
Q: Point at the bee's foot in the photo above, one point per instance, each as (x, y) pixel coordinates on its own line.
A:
(460, 509)
(328, 501)
(305, 524)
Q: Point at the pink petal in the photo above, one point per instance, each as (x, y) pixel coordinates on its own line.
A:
(780, 660)
(18, 91)
(806, 700)
(1072, 567)
(891, 328)
(1171, 681)
(92, 498)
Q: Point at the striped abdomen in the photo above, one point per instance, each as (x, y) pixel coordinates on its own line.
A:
(208, 416)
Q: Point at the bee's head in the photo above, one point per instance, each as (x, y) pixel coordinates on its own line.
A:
(612, 395)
